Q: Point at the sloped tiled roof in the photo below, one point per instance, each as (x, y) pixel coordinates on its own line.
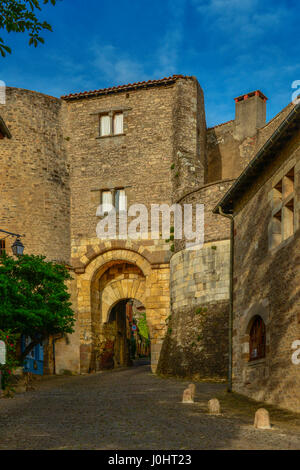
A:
(129, 86)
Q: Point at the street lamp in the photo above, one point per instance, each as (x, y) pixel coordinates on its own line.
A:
(17, 247)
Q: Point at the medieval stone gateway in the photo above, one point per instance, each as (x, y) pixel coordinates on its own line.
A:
(109, 278)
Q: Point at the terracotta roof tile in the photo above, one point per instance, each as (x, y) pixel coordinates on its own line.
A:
(129, 86)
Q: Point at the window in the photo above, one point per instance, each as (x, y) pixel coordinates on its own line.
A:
(105, 125)
(107, 201)
(2, 247)
(118, 123)
(257, 345)
(120, 200)
(111, 124)
(283, 200)
(115, 198)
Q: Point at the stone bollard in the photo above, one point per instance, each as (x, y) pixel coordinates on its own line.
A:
(214, 407)
(192, 388)
(262, 419)
(187, 396)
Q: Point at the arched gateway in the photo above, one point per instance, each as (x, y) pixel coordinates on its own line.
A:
(106, 280)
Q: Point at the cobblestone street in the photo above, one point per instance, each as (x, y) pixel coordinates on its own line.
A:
(127, 409)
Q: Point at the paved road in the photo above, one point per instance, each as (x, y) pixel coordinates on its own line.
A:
(125, 409)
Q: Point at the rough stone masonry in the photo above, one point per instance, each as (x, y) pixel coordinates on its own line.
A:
(165, 153)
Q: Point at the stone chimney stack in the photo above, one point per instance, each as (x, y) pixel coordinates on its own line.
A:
(250, 113)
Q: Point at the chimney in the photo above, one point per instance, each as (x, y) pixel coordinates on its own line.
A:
(250, 113)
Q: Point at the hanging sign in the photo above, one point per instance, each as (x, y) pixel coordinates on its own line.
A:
(2, 352)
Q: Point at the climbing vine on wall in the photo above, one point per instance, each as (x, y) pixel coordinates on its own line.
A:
(143, 327)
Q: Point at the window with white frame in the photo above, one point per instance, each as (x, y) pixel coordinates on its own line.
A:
(118, 124)
(120, 200)
(111, 124)
(283, 213)
(107, 201)
(105, 125)
(114, 198)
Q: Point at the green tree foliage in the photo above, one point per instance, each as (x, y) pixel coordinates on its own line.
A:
(20, 16)
(143, 327)
(34, 298)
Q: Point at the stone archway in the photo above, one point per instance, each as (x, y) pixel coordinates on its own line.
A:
(122, 340)
(110, 290)
(111, 277)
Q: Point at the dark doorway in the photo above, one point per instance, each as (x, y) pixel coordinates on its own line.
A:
(128, 321)
(122, 334)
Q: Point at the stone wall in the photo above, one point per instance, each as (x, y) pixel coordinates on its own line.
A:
(67, 349)
(231, 146)
(227, 152)
(144, 160)
(189, 127)
(196, 343)
(200, 276)
(266, 283)
(34, 174)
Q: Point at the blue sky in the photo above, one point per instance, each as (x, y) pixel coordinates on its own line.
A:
(231, 46)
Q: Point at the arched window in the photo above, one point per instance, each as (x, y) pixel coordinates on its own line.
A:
(257, 339)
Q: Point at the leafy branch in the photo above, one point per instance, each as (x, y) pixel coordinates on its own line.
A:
(20, 16)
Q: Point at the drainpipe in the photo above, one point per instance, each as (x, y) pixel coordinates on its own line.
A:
(230, 328)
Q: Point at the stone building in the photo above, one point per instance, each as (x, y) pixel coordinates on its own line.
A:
(143, 143)
(264, 204)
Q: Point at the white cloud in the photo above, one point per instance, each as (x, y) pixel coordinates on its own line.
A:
(225, 8)
(242, 18)
(116, 66)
